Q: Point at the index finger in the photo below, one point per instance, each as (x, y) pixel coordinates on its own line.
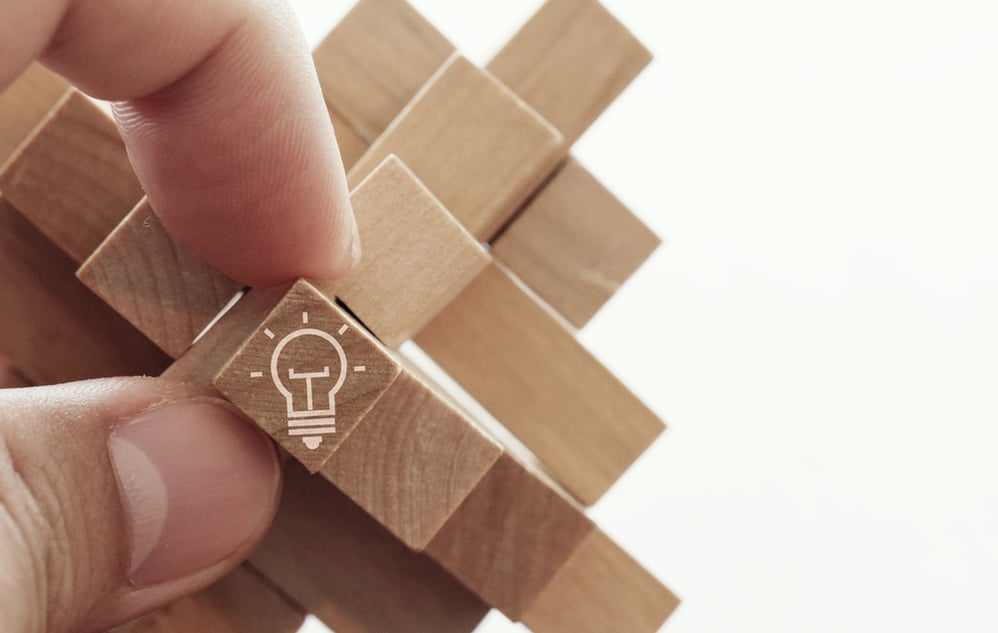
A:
(223, 118)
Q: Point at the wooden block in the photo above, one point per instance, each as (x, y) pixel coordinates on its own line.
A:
(307, 374)
(375, 60)
(352, 146)
(52, 328)
(510, 537)
(345, 568)
(478, 147)
(416, 256)
(569, 62)
(241, 602)
(72, 178)
(412, 460)
(540, 382)
(24, 103)
(601, 588)
(10, 379)
(575, 244)
(161, 287)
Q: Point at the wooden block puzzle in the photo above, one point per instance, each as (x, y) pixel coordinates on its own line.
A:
(401, 511)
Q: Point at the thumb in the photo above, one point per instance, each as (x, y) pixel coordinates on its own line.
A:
(120, 495)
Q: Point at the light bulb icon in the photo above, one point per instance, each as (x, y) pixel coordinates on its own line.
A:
(308, 367)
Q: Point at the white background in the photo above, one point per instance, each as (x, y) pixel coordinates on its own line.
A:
(819, 329)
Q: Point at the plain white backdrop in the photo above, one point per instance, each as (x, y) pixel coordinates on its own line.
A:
(819, 329)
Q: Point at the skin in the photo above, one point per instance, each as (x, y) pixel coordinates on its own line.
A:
(225, 126)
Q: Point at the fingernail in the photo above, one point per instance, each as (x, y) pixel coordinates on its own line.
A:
(197, 483)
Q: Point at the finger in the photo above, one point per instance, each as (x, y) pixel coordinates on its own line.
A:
(120, 495)
(223, 118)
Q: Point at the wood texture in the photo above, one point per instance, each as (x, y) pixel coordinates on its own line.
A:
(412, 460)
(510, 537)
(541, 383)
(351, 145)
(307, 374)
(375, 60)
(241, 602)
(52, 328)
(24, 103)
(416, 256)
(569, 62)
(478, 147)
(601, 588)
(160, 286)
(344, 567)
(575, 244)
(72, 178)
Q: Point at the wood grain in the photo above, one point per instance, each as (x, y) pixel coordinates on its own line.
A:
(241, 602)
(52, 328)
(375, 60)
(416, 256)
(575, 244)
(510, 537)
(540, 382)
(351, 145)
(569, 62)
(601, 588)
(477, 146)
(160, 286)
(72, 178)
(348, 570)
(412, 460)
(25, 102)
(307, 374)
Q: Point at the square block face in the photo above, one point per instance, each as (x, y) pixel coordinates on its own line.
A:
(416, 257)
(575, 244)
(477, 146)
(24, 103)
(307, 375)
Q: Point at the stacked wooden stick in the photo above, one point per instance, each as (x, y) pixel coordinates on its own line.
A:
(484, 242)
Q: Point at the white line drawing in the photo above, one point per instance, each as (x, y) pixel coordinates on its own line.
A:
(305, 417)
(343, 328)
(360, 368)
(256, 374)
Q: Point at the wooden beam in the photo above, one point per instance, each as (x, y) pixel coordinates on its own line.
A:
(416, 256)
(25, 102)
(570, 61)
(348, 570)
(575, 244)
(160, 286)
(541, 383)
(241, 602)
(375, 60)
(478, 147)
(52, 328)
(601, 588)
(72, 177)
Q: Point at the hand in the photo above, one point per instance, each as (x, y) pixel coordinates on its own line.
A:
(120, 495)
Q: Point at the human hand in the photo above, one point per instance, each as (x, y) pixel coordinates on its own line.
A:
(120, 495)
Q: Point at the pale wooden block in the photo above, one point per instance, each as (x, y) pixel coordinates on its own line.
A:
(601, 588)
(375, 60)
(514, 356)
(241, 602)
(24, 103)
(341, 565)
(575, 244)
(477, 146)
(351, 145)
(412, 460)
(510, 537)
(416, 257)
(570, 61)
(72, 177)
(160, 286)
(52, 328)
(307, 374)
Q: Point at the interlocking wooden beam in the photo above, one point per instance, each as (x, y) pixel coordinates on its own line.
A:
(25, 102)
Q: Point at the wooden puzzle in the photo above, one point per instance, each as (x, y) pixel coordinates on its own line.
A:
(485, 242)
